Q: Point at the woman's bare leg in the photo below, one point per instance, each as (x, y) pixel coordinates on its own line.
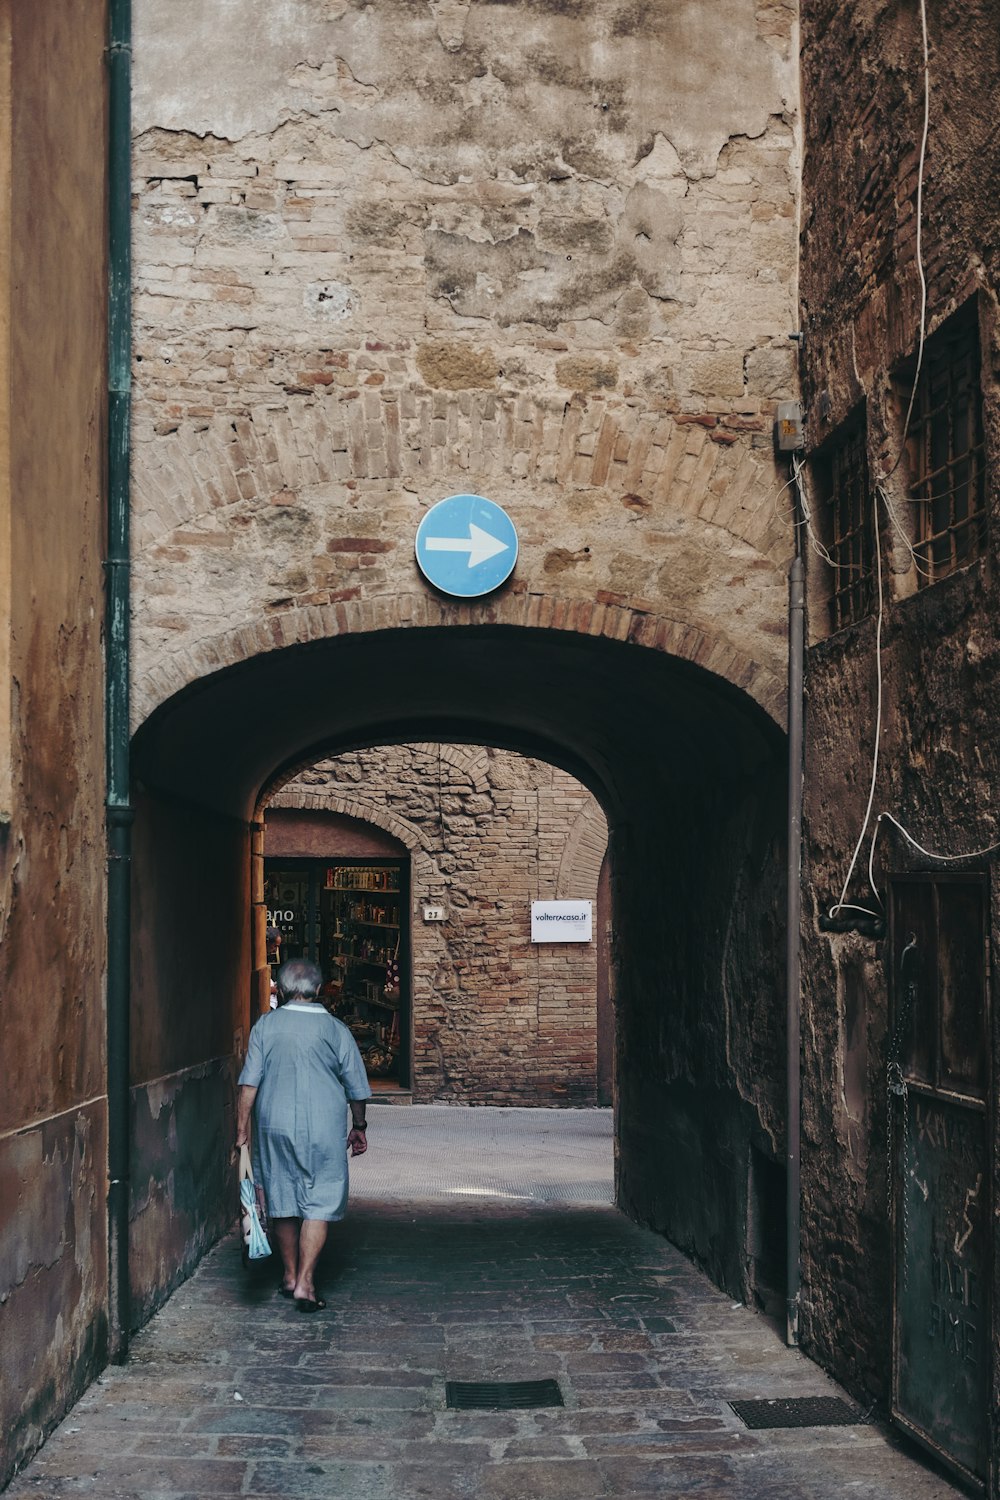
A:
(286, 1232)
(312, 1238)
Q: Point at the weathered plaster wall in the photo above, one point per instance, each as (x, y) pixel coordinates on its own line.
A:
(53, 1155)
(191, 1016)
(53, 1187)
(183, 1183)
(387, 253)
(863, 100)
(496, 1019)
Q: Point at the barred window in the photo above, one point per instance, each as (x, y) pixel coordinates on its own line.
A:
(849, 522)
(945, 450)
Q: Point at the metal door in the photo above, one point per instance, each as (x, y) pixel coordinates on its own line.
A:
(939, 1114)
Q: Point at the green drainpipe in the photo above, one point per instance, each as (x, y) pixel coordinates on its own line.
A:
(118, 807)
(793, 938)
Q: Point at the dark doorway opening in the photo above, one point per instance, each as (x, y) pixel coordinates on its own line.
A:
(349, 916)
(695, 806)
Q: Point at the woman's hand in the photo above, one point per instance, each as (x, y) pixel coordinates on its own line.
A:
(242, 1138)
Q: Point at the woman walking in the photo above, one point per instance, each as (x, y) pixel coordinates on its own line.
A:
(306, 1087)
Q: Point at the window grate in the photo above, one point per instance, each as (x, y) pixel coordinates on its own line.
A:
(946, 450)
(799, 1411)
(845, 486)
(502, 1395)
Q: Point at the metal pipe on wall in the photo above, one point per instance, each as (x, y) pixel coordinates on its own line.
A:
(117, 645)
(793, 973)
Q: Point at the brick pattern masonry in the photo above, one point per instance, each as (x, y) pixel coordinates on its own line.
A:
(497, 1019)
(389, 253)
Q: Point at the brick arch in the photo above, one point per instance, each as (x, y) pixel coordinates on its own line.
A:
(580, 867)
(191, 472)
(424, 871)
(310, 623)
(470, 761)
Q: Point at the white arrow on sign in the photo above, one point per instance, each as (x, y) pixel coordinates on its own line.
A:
(478, 544)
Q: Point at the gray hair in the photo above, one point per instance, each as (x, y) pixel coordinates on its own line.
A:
(300, 979)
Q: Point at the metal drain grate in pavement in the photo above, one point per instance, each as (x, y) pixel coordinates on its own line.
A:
(501, 1395)
(799, 1411)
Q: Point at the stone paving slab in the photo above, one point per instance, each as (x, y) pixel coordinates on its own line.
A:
(232, 1392)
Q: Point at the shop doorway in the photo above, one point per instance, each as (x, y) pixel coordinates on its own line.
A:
(349, 916)
(488, 1011)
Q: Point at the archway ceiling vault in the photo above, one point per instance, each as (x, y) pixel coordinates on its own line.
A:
(624, 719)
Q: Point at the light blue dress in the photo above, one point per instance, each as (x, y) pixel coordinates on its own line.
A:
(305, 1066)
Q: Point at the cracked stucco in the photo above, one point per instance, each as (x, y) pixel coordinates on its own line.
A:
(712, 80)
(389, 252)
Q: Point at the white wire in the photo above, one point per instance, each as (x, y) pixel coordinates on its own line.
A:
(840, 905)
(871, 862)
(885, 817)
(900, 531)
(807, 521)
(919, 246)
(772, 497)
(930, 854)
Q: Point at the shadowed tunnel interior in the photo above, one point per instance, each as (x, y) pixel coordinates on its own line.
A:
(605, 710)
(691, 776)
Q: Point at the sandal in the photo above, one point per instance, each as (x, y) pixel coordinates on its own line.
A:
(308, 1305)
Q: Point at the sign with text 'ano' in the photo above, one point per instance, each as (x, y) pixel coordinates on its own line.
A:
(561, 921)
(466, 546)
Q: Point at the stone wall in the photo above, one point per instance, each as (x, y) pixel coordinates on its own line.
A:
(863, 97)
(496, 1019)
(53, 1109)
(544, 252)
(385, 253)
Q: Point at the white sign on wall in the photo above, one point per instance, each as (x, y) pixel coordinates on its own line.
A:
(561, 921)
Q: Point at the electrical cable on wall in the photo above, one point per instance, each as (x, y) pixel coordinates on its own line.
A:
(890, 510)
(886, 817)
(812, 535)
(842, 904)
(919, 245)
(883, 497)
(880, 490)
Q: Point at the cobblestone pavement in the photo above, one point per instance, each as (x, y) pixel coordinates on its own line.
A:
(232, 1392)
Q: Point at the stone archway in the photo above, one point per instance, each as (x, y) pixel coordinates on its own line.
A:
(586, 847)
(488, 832)
(569, 289)
(692, 801)
(186, 667)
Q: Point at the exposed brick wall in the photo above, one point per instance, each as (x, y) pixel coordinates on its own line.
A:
(496, 1019)
(436, 261)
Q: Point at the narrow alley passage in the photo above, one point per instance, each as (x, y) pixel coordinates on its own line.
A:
(481, 1246)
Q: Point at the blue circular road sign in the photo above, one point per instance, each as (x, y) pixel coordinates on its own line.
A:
(466, 546)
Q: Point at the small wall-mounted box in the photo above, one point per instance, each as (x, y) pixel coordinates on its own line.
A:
(434, 913)
(789, 432)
